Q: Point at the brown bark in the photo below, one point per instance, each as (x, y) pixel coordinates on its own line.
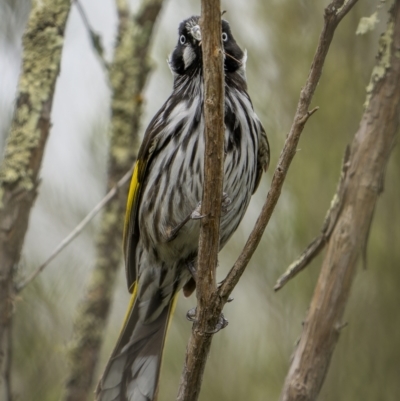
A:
(128, 76)
(369, 154)
(42, 42)
(200, 340)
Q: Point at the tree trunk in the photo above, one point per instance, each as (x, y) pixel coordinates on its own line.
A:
(369, 155)
(42, 42)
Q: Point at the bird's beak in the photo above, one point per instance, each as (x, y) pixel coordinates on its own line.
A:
(196, 33)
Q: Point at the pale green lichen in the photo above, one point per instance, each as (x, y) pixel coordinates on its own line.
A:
(367, 24)
(123, 77)
(42, 43)
(383, 63)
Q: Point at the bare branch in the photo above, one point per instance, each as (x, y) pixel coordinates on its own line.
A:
(318, 243)
(77, 230)
(95, 38)
(343, 9)
(289, 149)
(206, 318)
(369, 155)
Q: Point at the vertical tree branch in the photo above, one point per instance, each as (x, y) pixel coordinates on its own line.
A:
(214, 156)
(200, 340)
(128, 76)
(369, 154)
(42, 42)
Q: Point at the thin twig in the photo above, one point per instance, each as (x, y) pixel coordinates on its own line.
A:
(318, 243)
(345, 8)
(289, 150)
(95, 38)
(76, 231)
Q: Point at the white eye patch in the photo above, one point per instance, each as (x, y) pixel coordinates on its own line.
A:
(188, 56)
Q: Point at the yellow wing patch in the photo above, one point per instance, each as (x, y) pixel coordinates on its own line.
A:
(131, 233)
(131, 202)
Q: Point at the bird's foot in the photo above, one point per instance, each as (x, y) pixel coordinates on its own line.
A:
(191, 315)
(194, 215)
(221, 324)
(191, 265)
(225, 203)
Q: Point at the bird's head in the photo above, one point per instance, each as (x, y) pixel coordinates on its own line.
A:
(187, 55)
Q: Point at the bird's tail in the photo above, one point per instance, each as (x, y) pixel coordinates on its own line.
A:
(133, 369)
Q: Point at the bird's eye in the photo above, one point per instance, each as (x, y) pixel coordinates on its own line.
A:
(182, 39)
(224, 36)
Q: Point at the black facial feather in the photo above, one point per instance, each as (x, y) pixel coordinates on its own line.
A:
(186, 42)
(187, 55)
(233, 53)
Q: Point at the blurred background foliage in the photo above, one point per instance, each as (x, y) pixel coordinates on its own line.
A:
(250, 358)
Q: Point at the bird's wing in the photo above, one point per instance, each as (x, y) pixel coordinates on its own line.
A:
(262, 154)
(131, 229)
(131, 225)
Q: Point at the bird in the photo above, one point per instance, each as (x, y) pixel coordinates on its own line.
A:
(162, 221)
